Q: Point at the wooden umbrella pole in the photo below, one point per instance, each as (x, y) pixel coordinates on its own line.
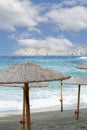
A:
(61, 94)
(78, 103)
(24, 93)
(27, 107)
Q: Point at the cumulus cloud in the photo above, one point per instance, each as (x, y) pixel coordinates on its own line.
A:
(70, 19)
(34, 29)
(60, 44)
(19, 35)
(24, 13)
(18, 13)
(73, 2)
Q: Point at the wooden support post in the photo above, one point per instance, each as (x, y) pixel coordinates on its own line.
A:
(28, 124)
(78, 103)
(24, 93)
(61, 96)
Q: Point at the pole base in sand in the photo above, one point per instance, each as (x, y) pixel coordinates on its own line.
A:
(22, 121)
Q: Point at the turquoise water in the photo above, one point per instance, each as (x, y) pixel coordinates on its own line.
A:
(11, 98)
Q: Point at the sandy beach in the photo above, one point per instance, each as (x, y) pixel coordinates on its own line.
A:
(52, 120)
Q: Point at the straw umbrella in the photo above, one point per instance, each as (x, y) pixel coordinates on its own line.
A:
(77, 81)
(28, 73)
(82, 66)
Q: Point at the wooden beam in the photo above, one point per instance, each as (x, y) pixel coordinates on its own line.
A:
(28, 123)
(24, 93)
(61, 95)
(78, 103)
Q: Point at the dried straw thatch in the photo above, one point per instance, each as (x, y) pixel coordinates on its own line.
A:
(82, 66)
(28, 73)
(41, 84)
(76, 81)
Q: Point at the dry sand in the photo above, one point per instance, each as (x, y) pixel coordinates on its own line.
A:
(53, 120)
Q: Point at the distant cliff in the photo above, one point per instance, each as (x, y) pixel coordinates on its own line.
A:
(50, 52)
(80, 51)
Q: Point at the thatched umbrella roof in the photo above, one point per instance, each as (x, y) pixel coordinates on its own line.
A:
(28, 73)
(82, 66)
(76, 81)
(31, 85)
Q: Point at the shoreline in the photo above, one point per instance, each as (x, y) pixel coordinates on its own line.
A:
(44, 109)
(40, 110)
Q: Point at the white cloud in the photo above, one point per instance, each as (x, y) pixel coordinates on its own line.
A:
(16, 13)
(68, 2)
(73, 2)
(60, 44)
(34, 29)
(74, 18)
(24, 13)
(22, 35)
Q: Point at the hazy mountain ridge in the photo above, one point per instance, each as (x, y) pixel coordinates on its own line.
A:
(80, 51)
(51, 52)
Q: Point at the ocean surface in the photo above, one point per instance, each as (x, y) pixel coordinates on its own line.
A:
(11, 97)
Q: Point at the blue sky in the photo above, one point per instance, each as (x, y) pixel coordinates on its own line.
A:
(57, 24)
